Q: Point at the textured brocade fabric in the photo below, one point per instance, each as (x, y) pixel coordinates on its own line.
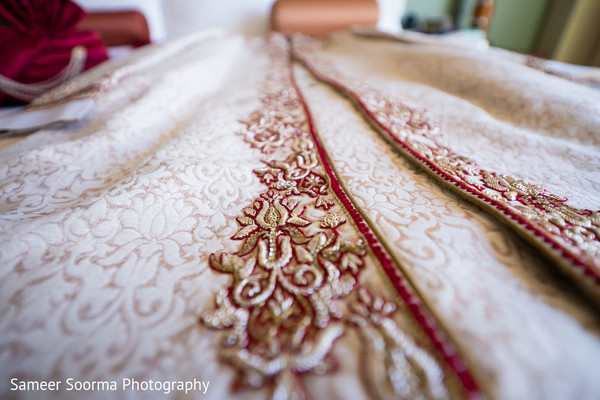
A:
(567, 234)
(510, 316)
(109, 229)
(494, 290)
(192, 228)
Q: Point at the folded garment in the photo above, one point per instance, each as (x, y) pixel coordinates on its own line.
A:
(348, 217)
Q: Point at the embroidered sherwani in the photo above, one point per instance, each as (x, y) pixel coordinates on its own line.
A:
(346, 218)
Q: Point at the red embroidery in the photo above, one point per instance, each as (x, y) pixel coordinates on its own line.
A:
(437, 337)
(574, 232)
(295, 287)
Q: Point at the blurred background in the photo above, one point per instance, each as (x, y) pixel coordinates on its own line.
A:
(564, 30)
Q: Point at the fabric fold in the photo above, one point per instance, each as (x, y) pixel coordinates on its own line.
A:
(567, 235)
(223, 216)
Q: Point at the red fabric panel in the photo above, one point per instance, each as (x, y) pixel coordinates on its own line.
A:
(38, 36)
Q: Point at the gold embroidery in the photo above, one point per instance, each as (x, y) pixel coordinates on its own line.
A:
(577, 231)
(294, 275)
(413, 372)
(332, 220)
(283, 298)
(300, 173)
(279, 119)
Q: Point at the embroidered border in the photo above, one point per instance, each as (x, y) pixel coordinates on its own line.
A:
(295, 287)
(569, 235)
(419, 313)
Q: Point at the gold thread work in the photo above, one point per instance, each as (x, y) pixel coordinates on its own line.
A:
(295, 277)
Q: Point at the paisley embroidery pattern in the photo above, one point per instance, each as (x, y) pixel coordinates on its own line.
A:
(574, 232)
(295, 278)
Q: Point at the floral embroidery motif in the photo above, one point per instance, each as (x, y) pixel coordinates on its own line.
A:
(298, 174)
(575, 229)
(576, 232)
(271, 127)
(295, 276)
(282, 305)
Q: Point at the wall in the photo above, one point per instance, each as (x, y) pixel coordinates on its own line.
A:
(250, 17)
(555, 22)
(580, 41)
(429, 8)
(171, 18)
(516, 24)
(461, 11)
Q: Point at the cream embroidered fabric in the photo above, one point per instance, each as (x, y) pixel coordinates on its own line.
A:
(201, 147)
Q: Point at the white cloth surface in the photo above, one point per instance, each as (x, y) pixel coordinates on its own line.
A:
(107, 227)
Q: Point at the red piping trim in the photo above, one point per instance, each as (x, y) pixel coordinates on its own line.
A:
(568, 254)
(438, 338)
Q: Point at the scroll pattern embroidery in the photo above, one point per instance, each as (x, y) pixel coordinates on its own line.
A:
(294, 288)
(575, 232)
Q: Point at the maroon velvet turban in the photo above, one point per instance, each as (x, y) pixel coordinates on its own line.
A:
(37, 37)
